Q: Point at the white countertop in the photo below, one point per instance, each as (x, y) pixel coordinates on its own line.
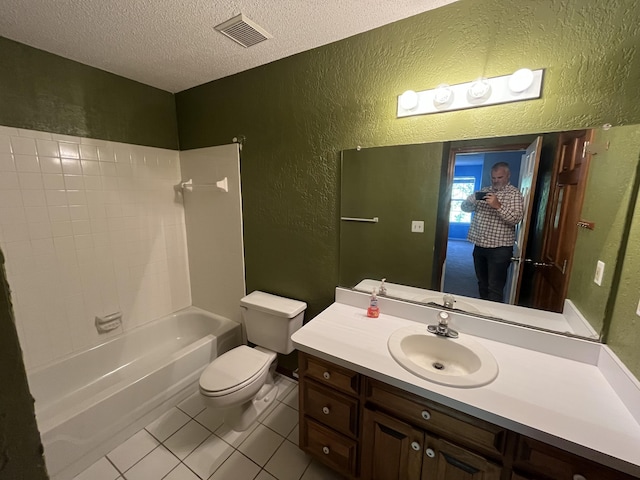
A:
(562, 402)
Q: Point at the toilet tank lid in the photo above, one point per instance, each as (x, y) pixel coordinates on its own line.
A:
(273, 304)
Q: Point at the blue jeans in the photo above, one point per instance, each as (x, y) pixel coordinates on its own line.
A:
(492, 265)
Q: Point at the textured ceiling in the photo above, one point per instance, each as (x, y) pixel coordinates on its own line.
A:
(172, 44)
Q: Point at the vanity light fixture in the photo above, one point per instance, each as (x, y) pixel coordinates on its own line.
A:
(524, 84)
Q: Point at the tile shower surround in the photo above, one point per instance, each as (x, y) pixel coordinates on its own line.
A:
(88, 227)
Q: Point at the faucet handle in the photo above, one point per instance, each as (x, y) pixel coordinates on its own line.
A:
(382, 290)
(448, 300)
(443, 319)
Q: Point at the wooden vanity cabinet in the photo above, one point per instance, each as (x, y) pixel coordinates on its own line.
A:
(366, 429)
(394, 449)
(535, 460)
(408, 437)
(329, 399)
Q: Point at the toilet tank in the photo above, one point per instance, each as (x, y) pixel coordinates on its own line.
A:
(270, 320)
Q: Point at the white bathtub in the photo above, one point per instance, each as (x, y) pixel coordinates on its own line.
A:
(88, 403)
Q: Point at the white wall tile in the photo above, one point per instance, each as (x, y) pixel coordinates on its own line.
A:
(23, 146)
(88, 152)
(8, 131)
(77, 216)
(72, 166)
(5, 144)
(47, 148)
(69, 150)
(73, 182)
(90, 167)
(59, 213)
(30, 181)
(34, 134)
(6, 163)
(33, 198)
(50, 165)
(26, 163)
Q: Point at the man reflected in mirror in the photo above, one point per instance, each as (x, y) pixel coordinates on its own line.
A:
(497, 210)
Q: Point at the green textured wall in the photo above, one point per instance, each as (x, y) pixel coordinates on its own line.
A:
(298, 113)
(20, 447)
(623, 335)
(41, 91)
(609, 188)
(398, 185)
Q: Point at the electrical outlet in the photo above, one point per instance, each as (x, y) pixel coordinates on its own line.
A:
(599, 273)
(417, 226)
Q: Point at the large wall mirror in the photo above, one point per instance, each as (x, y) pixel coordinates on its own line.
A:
(577, 217)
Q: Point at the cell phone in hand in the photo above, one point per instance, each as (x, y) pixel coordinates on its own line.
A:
(481, 195)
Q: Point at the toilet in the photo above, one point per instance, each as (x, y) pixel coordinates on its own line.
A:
(240, 382)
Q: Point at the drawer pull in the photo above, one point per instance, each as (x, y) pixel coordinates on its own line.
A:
(579, 477)
(426, 415)
(326, 375)
(415, 446)
(326, 450)
(430, 453)
(325, 410)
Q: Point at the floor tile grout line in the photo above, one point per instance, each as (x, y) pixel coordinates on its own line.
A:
(120, 474)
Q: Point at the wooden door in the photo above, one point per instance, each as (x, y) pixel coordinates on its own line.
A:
(445, 461)
(568, 184)
(528, 176)
(391, 449)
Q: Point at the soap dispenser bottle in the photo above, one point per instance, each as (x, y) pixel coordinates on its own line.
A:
(373, 311)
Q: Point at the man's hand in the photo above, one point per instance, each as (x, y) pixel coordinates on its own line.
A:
(492, 200)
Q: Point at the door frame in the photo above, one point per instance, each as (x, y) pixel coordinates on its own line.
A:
(446, 184)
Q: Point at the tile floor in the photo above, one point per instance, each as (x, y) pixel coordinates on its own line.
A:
(191, 442)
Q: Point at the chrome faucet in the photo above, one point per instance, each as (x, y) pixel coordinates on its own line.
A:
(448, 300)
(382, 290)
(442, 328)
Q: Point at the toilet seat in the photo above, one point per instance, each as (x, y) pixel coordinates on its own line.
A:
(234, 370)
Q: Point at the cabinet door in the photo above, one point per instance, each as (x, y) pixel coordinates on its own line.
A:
(391, 449)
(445, 461)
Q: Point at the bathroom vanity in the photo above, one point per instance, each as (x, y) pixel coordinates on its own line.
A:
(556, 410)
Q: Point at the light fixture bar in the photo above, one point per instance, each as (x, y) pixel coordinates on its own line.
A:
(478, 93)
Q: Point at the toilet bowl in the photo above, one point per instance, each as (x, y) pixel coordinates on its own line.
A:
(240, 382)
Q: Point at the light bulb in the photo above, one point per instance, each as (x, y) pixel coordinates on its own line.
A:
(442, 94)
(520, 80)
(479, 89)
(408, 100)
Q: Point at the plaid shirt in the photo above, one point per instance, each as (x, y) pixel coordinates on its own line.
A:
(491, 228)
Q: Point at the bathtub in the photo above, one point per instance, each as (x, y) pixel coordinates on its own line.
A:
(88, 403)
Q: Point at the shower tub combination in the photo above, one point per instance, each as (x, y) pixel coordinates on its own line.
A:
(90, 402)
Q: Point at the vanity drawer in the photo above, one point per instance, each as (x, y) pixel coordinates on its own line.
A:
(468, 431)
(540, 460)
(329, 374)
(331, 408)
(333, 449)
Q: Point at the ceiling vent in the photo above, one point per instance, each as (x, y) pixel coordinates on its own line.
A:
(243, 31)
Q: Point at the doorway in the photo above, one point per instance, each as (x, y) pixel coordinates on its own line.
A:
(470, 171)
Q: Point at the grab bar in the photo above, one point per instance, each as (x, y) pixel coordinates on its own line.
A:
(356, 219)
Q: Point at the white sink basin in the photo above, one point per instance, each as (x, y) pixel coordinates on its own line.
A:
(459, 362)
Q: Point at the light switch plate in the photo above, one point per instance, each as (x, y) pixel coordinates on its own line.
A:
(599, 273)
(638, 309)
(417, 226)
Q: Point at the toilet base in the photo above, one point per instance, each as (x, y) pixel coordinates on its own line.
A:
(240, 418)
